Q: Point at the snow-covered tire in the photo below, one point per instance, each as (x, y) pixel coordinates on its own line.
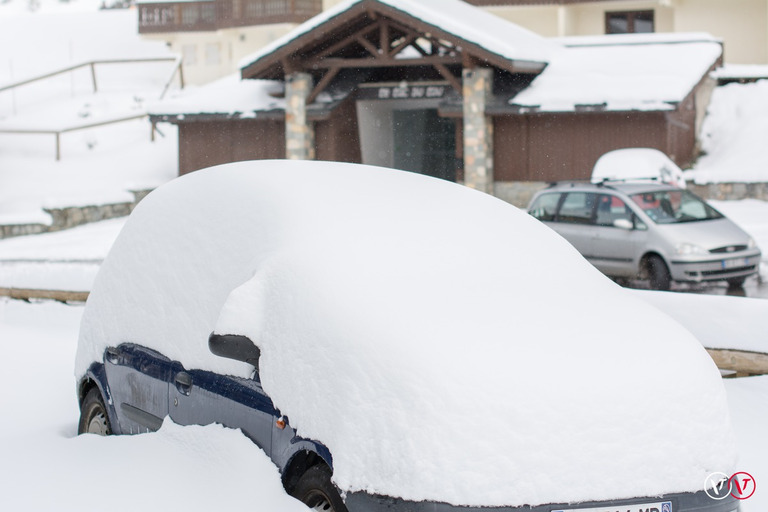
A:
(316, 490)
(658, 273)
(93, 415)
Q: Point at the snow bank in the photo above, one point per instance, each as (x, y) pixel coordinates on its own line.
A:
(633, 163)
(752, 216)
(472, 355)
(717, 321)
(734, 135)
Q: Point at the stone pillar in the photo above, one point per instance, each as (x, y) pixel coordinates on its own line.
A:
(478, 130)
(299, 133)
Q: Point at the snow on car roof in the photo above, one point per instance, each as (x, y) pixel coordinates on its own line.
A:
(443, 344)
(637, 163)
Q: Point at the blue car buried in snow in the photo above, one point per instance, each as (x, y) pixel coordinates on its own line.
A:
(387, 340)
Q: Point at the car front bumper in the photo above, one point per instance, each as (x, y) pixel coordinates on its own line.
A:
(715, 268)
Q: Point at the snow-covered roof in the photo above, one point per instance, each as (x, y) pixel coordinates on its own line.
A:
(479, 384)
(229, 95)
(618, 73)
(739, 71)
(455, 17)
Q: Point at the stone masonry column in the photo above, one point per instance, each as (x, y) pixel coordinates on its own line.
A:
(478, 130)
(299, 133)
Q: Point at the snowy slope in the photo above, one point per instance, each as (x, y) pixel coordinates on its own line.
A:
(98, 165)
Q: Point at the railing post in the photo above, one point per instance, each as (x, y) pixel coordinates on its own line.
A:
(58, 146)
(93, 76)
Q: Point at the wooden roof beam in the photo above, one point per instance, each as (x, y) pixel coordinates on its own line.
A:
(384, 61)
(323, 83)
(384, 42)
(446, 73)
(346, 41)
(410, 38)
(375, 52)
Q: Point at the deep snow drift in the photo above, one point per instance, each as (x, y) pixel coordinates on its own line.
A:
(421, 312)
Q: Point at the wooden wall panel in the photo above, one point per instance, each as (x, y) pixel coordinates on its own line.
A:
(338, 138)
(206, 143)
(552, 147)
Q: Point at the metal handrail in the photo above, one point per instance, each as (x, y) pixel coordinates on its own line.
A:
(58, 133)
(176, 69)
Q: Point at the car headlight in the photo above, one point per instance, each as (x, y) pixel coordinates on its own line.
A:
(687, 249)
(751, 243)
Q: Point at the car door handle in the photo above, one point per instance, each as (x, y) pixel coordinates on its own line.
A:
(183, 383)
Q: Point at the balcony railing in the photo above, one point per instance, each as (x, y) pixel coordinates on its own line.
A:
(188, 16)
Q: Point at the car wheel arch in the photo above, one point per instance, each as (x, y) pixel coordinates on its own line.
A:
(298, 464)
(645, 258)
(96, 378)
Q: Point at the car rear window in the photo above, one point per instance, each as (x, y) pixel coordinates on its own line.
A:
(577, 208)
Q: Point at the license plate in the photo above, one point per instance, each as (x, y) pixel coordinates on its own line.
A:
(736, 262)
(662, 506)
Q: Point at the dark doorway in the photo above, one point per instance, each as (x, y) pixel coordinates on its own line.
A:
(425, 143)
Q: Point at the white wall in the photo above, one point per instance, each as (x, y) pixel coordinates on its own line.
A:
(212, 55)
(742, 24)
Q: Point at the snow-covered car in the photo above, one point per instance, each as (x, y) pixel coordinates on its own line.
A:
(388, 340)
(648, 230)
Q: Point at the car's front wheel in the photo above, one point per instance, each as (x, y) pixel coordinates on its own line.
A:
(658, 273)
(316, 490)
(93, 415)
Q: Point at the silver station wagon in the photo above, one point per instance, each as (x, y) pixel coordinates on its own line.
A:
(648, 231)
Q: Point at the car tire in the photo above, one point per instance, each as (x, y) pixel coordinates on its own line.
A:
(317, 492)
(658, 273)
(736, 282)
(93, 415)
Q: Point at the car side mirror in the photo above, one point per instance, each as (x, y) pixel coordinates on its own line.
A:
(233, 346)
(623, 224)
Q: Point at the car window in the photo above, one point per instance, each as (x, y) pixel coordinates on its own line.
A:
(545, 206)
(610, 209)
(577, 208)
(673, 206)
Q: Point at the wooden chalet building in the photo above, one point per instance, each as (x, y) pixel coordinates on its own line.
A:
(446, 89)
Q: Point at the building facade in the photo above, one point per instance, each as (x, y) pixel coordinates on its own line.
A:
(478, 101)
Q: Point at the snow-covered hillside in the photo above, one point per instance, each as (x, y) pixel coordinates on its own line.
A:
(98, 165)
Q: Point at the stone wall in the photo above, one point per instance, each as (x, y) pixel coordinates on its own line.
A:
(731, 191)
(69, 217)
(519, 193)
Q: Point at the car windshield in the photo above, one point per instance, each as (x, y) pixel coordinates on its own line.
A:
(673, 206)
